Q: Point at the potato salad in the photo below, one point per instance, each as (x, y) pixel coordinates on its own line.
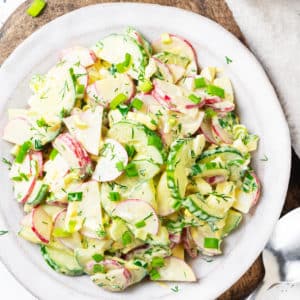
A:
(129, 159)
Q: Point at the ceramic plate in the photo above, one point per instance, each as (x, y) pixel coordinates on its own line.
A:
(259, 110)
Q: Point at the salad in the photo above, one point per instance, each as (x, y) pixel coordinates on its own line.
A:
(129, 159)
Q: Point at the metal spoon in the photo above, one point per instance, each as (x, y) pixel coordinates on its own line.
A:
(281, 259)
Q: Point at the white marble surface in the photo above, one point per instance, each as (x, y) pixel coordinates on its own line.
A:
(271, 28)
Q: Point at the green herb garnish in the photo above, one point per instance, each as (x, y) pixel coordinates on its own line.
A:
(2, 232)
(24, 149)
(75, 196)
(228, 60)
(119, 99)
(98, 268)
(120, 166)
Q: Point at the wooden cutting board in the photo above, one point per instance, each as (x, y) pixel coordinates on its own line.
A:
(20, 25)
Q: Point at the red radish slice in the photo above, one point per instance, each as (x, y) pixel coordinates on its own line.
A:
(136, 210)
(188, 243)
(85, 126)
(105, 90)
(174, 96)
(175, 237)
(176, 45)
(244, 201)
(17, 131)
(23, 189)
(223, 106)
(176, 269)
(72, 242)
(77, 54)
(199, 105)
(212, 100)
(163, 69)
(191, 122)
(222, 134)
(176, 71)
(41, 224)
(207, 132)
(112, 153)
(38, 157)
(72, 151)
(215, 179)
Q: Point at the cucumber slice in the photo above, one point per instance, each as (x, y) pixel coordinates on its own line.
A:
(58, 95)
(136, 211)
(113, 49)
(114, 280)
(182, 155)
(224, 153)
(140, 39)
(232, 221)
(143, 139)
(172, 58)
(128, 188)
(61, 261)
(146, 168)
(85, 256)
(39, 193)
(164, 199)
(209, 169)
(196, 205)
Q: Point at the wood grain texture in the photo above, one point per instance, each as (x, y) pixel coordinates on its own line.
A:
(19, 26)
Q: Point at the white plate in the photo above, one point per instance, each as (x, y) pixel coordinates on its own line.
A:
(259, 110)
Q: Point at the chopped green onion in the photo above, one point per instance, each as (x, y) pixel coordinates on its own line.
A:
(123, 109)
(60, 232)
(154, 275)
(24, 148)
(53, 154)
(120, 166)
(140, 224)
(157, 262)
(209, 113)
(117, 101)
(75, 196)
(130, 150)
(97, 257)
(211, 243)
(36, 8)
(38, 145)
(123, 66)
(194, 98)
(79, 90)
(42, 123)
(98, 268)
(126, 238)
(137, 103)
(154, 140)
(114, 196)
(200, 82)
(145, 86)
(131, 170)
(215, 91)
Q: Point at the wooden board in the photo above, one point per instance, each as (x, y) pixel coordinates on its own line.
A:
(20, 25)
